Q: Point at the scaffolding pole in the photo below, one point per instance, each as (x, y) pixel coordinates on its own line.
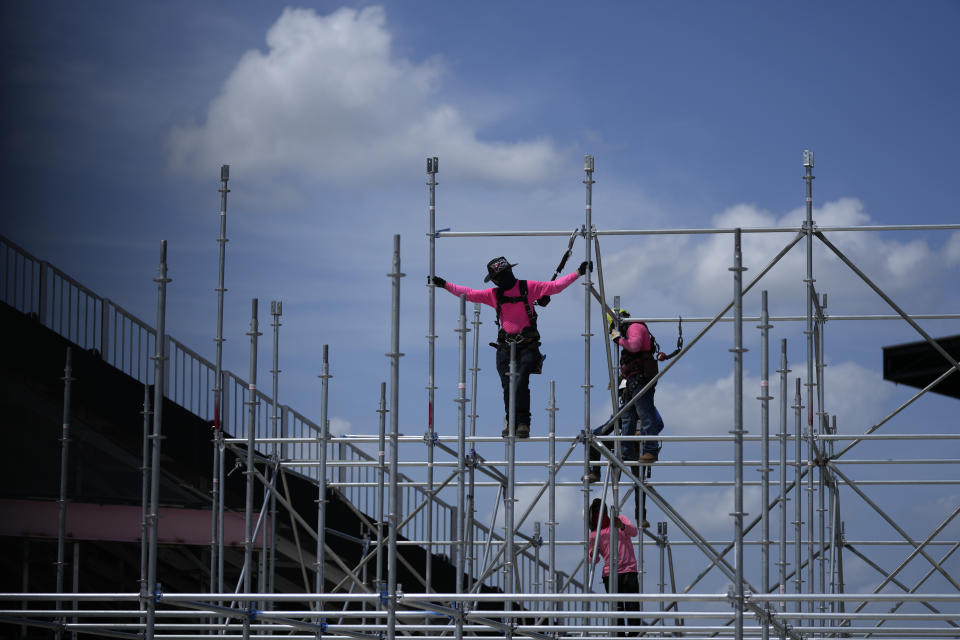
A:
(216, 476)
(782, 472)
(64, 473)
(320, 581)
(765, 468)
(159, 379)
(251, 402)
(738, 432)
(394, 513)
(429, 437)
(269, 540)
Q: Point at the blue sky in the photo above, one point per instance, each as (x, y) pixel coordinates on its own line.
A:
(117, 117)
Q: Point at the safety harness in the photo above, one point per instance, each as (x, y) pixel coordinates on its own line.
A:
(645, 362)
(640, 362)
(528, 333)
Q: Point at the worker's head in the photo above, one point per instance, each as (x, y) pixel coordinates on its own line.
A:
(612, 322)
(500, 271)
(595, 515)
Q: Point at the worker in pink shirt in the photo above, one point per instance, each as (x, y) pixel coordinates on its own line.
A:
(638, 365)
(513, 299)
(627, 580)
(639, 356)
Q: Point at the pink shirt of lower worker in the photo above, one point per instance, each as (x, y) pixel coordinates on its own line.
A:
(625, 556)
(637, 338)
(513, 315)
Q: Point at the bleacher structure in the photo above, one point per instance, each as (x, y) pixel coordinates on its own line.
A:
(448, 549)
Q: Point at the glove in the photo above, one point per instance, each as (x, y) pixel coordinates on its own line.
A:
(543, 301)
(437, 281)
(582, 269)
(615, 335)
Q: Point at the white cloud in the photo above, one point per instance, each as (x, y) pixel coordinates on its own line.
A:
(951, 250)
(937, 510)
(708, 510)
(330, 100)
(856, 394)
(569, 507)
(700, 280)
(339, 426)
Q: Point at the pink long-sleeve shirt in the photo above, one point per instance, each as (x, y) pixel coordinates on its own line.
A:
(513, 316)
(637, 338)
(625, 556)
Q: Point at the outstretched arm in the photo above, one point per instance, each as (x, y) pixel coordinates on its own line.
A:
(485, 296)
(537, 289)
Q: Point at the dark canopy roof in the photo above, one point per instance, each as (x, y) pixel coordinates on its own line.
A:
(917, 364)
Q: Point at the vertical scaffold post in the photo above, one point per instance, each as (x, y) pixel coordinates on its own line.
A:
(811, 364)
(394, 514)
(783, 371)
(252, 402)
(461, 549)
(144, 494)
(588, 181)
(269, 540)
(216, 498)
(797, 501)
(738, 431)
(824, 424)
(832, 519)
(64, 473)
(662, 545)
(381, 482)
(324, 376)
(159, 374)
(765, 398)
(76, 584)
(461, 451)
(509, 560)
(552, 506)
(470, 510)
(613, 581)
(429, 438)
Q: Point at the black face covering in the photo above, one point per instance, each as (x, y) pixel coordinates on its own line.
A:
(504, 280)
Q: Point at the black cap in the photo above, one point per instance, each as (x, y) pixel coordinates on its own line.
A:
(497, 266)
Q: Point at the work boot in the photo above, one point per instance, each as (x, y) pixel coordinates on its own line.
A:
(649, 458)
(593, 476)
(644, 524)
(523, 431)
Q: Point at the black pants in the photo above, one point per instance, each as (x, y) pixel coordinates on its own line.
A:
(626, 583)
(529, 361)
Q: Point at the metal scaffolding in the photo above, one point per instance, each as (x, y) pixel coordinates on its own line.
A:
(779, 573)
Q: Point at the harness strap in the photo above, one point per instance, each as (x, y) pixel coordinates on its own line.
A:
(642, 362)
(505, 299)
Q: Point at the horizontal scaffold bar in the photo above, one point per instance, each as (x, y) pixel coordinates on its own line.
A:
(695, 231)
(489, 597)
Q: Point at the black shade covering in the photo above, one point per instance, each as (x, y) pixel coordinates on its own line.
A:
(917, 364)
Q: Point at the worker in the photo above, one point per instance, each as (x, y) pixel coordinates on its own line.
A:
(517, 321)
(638, 366)
(627, 579)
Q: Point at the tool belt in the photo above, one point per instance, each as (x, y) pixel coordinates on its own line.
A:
(528, 338)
